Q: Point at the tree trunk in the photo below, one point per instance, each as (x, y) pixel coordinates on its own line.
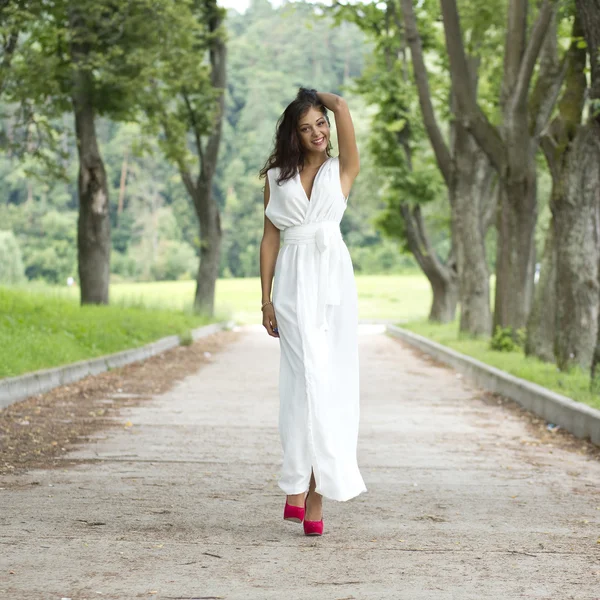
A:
(442, 277)
(541, 326)
(588, 11)
(573, 154)
(469, 193)
(515, 258)
(122, 184)
(512, 150)
(466, 172)
(93, 229)
(205, 204)
(210, 250)
(577, 233)
(445, 298)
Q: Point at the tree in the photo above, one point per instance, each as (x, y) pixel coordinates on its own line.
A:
(186, 102)
(396, 144)
(87, 57)
(570, 294)
(467, 175)
(588, 12)
(511, 147)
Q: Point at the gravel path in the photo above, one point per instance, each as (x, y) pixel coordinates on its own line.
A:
(465, 500)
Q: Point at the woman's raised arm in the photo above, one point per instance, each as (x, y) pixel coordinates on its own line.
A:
(349, 159)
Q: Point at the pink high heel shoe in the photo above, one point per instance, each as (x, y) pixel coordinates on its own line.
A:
(295, 514)
(312, 527)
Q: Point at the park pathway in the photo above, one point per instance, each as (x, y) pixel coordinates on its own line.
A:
(463, 501)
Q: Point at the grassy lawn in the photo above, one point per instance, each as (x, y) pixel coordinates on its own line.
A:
(380, 297)
(393, 297)
(39, 331)
(575, 385)
(43, 326)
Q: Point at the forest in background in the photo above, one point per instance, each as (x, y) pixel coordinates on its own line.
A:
(477, 126)
(154, 227)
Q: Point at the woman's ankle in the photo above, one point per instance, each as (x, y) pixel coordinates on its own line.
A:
(295, 499)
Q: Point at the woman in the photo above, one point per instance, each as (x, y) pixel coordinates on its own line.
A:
(314, 307)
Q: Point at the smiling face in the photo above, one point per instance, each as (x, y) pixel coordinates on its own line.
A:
(313, 130)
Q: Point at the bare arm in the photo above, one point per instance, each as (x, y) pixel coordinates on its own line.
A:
(349, 159)
(269, 248)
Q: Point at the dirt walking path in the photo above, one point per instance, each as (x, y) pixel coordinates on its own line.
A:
(180, 501)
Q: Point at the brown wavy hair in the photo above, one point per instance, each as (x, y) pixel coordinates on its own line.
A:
(288, 153)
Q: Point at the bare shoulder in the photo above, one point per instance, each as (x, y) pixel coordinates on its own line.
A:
(267, 193)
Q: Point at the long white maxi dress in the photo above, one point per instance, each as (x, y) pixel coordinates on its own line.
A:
(315, 302)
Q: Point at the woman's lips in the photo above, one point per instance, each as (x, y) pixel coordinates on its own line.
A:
(319, 142)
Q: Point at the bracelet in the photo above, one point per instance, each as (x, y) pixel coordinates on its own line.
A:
(265, 304)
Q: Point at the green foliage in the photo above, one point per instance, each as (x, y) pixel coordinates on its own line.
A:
(174, 260)
(507, 339)
(47, 239)
(397, 142)
(178, 101)
(39, 331)
(11, 260)
(264, 71)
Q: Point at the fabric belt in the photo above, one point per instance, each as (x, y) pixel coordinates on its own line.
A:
(327, 237)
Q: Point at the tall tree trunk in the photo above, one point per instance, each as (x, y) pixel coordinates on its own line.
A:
(93, 228)
(511, 149)
(578, 208)
(577, 233)
(572, 151)
(541, 325)
(210, 249)
(205, 204)
(442, 277)
(469, 194)
(466, 172)
(122, 184)
(515, 250)
(588, 12)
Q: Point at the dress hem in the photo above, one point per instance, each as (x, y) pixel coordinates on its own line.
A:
(336, 497)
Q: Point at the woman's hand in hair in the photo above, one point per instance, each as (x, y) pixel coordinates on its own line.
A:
(349, 158)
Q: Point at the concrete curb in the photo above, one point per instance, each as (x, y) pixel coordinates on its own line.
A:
(13, 389)
(581, 420)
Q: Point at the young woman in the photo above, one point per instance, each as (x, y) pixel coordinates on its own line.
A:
(314, 307)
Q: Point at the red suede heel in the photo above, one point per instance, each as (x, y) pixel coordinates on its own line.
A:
(295, 514)
(313, 527)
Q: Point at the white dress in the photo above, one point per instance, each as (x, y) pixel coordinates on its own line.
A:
(315, 302)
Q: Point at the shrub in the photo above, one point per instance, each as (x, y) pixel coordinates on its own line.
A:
(507, 339)
(174, 260)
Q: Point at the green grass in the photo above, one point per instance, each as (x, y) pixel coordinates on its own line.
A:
(380, 297)
(393, 297)
(39, 331)
(43, 326)
(575, 384)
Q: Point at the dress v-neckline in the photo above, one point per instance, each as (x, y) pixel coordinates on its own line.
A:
(312, 189)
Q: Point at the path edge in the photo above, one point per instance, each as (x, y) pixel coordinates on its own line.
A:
(13, 389)
(581, 420)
